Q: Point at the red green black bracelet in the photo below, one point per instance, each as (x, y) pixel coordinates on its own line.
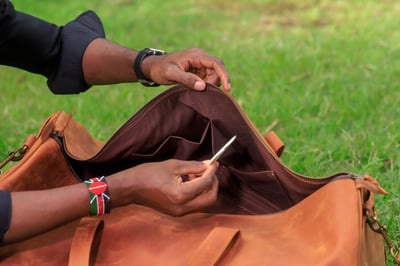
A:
(99, 196)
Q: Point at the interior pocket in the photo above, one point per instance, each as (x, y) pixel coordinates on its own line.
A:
(191, 145)
(243, 192)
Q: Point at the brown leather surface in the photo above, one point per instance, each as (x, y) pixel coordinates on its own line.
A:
(218, 243)
(284, 218)
(44, 156)
(81, 145)
(324, 229)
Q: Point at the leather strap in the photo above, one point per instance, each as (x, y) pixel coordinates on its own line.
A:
(215, 246)
(370, 184)
(30, 140)
(137, 66)
(85, 242)
(275, 142)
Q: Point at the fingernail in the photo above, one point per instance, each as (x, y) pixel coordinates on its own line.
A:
(229, 87)
(199, 85)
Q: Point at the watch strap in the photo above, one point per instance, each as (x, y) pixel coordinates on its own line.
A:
(137, 66)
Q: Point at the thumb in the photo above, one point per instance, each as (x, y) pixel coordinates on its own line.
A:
(190, 80)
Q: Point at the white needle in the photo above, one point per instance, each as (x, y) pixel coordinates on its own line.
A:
(222, 150)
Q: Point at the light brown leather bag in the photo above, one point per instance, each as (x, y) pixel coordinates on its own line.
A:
(265, 213)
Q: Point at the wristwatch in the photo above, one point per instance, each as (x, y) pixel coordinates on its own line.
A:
(137, 65)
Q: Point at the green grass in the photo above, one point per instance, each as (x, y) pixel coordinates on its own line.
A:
(327, 70)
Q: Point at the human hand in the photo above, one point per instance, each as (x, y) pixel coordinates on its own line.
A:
(191, 67)
(173, 186)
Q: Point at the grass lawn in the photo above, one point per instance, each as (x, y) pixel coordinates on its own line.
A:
(328, 71)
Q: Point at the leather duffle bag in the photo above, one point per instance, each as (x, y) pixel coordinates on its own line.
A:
(265, 214)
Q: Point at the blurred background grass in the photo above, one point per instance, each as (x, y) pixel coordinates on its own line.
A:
(328, 71)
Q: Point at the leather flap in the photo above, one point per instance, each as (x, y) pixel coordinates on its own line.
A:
(79, 143)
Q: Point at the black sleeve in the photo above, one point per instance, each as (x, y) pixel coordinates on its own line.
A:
(5, 212)
(44, 48)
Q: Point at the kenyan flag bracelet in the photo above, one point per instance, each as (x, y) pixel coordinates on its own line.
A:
(99, 196)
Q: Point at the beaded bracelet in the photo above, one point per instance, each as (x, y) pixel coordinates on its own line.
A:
(99, 196)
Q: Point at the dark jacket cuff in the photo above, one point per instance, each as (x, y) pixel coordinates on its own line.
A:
(76, 35)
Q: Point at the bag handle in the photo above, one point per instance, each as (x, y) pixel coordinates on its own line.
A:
(215, 246)
(87, 236)
(85, 242)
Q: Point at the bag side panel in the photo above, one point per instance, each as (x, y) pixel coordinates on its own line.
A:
(45, 167)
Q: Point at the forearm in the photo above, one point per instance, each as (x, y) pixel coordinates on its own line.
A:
(105, 62)
(34, 212)
(157, 185)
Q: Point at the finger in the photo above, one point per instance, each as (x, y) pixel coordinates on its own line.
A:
(203, 200)
(197, 186)
(187, 79)
(212, 64)
(212, 78)
(223, 76)
(217, 65)
(197, 175)
(189, 167)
